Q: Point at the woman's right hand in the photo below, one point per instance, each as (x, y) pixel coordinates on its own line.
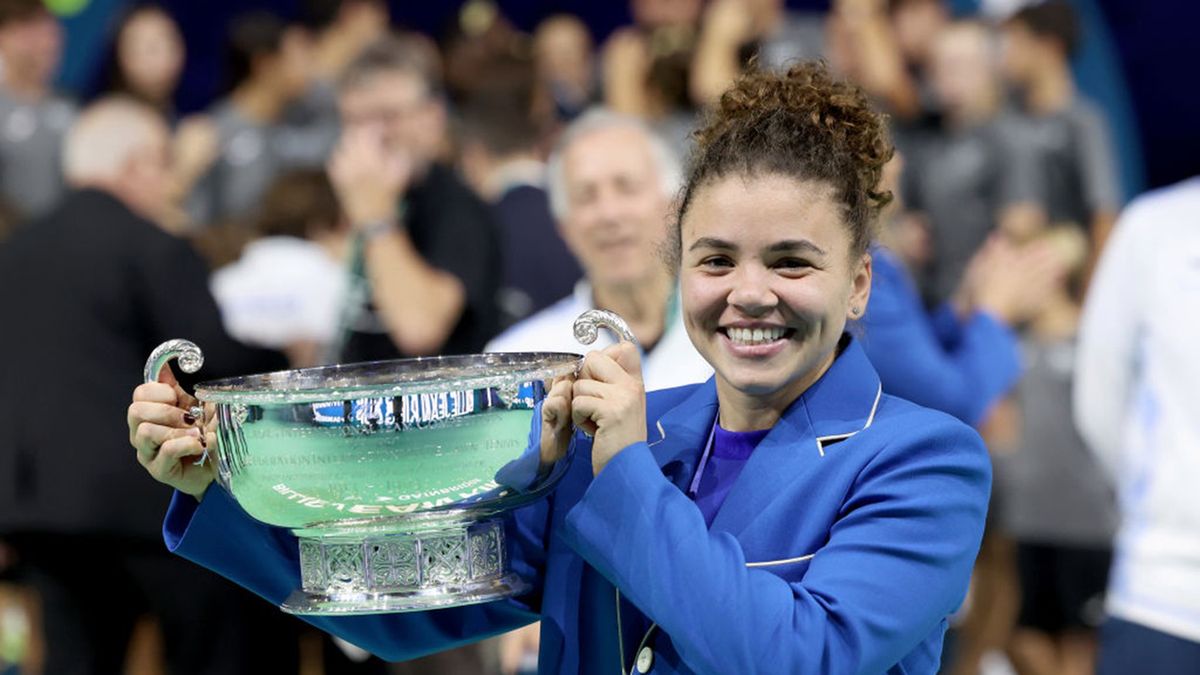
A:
(167, 438)
(556, 421)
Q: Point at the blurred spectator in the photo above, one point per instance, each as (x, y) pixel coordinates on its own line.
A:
(287, 290)
(500, 159)
(83, 314)
(1071, 138)
(1057, 503)
(721, 49)
(564, 56)
(472, 44)
(973, 172)
(231, 155)
(885, 46)
(733, 31)
(960, 358)
(1135, 405)
(611, 182)
(647, 66)
(782, 35)
(33, 119)
(342, 29)
(430, 249)
(148, 57)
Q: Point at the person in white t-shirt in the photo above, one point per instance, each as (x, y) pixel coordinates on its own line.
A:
(286, 290)
(1136, 406)
(611, 181)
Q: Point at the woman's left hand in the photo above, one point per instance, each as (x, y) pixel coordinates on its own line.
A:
(609, 401)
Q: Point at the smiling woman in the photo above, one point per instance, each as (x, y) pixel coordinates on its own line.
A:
(768, 280)
(785, 516)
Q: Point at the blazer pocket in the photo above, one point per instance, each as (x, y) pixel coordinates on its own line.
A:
(790, 569)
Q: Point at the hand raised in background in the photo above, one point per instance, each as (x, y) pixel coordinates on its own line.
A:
(1010, 281)
(369, 177)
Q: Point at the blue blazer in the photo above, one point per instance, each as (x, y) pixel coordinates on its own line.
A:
(843, 546)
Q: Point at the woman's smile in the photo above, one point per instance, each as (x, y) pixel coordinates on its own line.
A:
(755, 340)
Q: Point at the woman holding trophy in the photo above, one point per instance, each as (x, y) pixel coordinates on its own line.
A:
(784, 517)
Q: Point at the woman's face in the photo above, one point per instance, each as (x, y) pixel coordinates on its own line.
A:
(150, 54)
(768, 282)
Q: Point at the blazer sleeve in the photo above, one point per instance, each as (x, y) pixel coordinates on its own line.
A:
(896, 563)
(217, 534)
(960, 369)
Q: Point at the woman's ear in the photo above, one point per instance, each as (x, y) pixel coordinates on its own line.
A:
(860, 288)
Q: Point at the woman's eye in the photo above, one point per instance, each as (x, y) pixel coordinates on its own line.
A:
(793, 263)
(716, 261)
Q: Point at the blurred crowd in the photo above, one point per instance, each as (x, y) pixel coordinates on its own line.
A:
(362, 192)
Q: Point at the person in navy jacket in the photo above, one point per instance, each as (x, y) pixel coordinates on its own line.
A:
(784, 517)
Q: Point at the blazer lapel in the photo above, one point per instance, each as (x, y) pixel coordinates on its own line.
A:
(682, 432)
(837, 406)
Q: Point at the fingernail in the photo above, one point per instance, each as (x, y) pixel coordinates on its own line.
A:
(203, 442)
(189, 418)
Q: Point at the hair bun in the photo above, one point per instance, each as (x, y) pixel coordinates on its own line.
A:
(803, 123)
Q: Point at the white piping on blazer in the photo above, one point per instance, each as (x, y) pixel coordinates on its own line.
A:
(822, 440)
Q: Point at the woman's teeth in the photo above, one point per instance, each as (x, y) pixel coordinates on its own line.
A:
(755, 336)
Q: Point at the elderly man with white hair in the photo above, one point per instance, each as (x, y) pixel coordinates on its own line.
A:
(611, 182)
(81, 310)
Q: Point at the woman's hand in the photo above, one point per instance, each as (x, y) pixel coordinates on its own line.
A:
(609, 401)
(167, 438)
(556, 421)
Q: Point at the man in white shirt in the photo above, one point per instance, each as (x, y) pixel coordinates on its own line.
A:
(611, 182)
(1136, 405)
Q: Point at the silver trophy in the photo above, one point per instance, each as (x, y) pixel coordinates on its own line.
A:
(394, 475)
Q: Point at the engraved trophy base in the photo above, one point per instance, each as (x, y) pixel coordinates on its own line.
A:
(394, 569)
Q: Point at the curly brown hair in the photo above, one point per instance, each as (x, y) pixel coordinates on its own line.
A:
(804, 124)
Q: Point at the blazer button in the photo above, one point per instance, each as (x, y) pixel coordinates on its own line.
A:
(645, 660)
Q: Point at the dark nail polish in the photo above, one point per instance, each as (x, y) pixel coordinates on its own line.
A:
(189, 419)
(203, 442)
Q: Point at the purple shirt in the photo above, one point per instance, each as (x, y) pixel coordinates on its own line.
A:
(723, 460)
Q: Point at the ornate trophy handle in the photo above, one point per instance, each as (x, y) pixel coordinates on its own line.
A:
(587, 329)
(587, 326)
(190, 359)
(189, 355)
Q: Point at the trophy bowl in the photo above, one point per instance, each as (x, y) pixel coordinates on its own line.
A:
(395, 476)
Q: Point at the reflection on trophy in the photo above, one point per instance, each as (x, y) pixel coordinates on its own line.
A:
(394, 475)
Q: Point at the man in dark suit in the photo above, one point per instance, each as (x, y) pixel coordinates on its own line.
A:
(86, 292)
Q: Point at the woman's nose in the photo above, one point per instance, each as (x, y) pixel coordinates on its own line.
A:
(751, 292)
